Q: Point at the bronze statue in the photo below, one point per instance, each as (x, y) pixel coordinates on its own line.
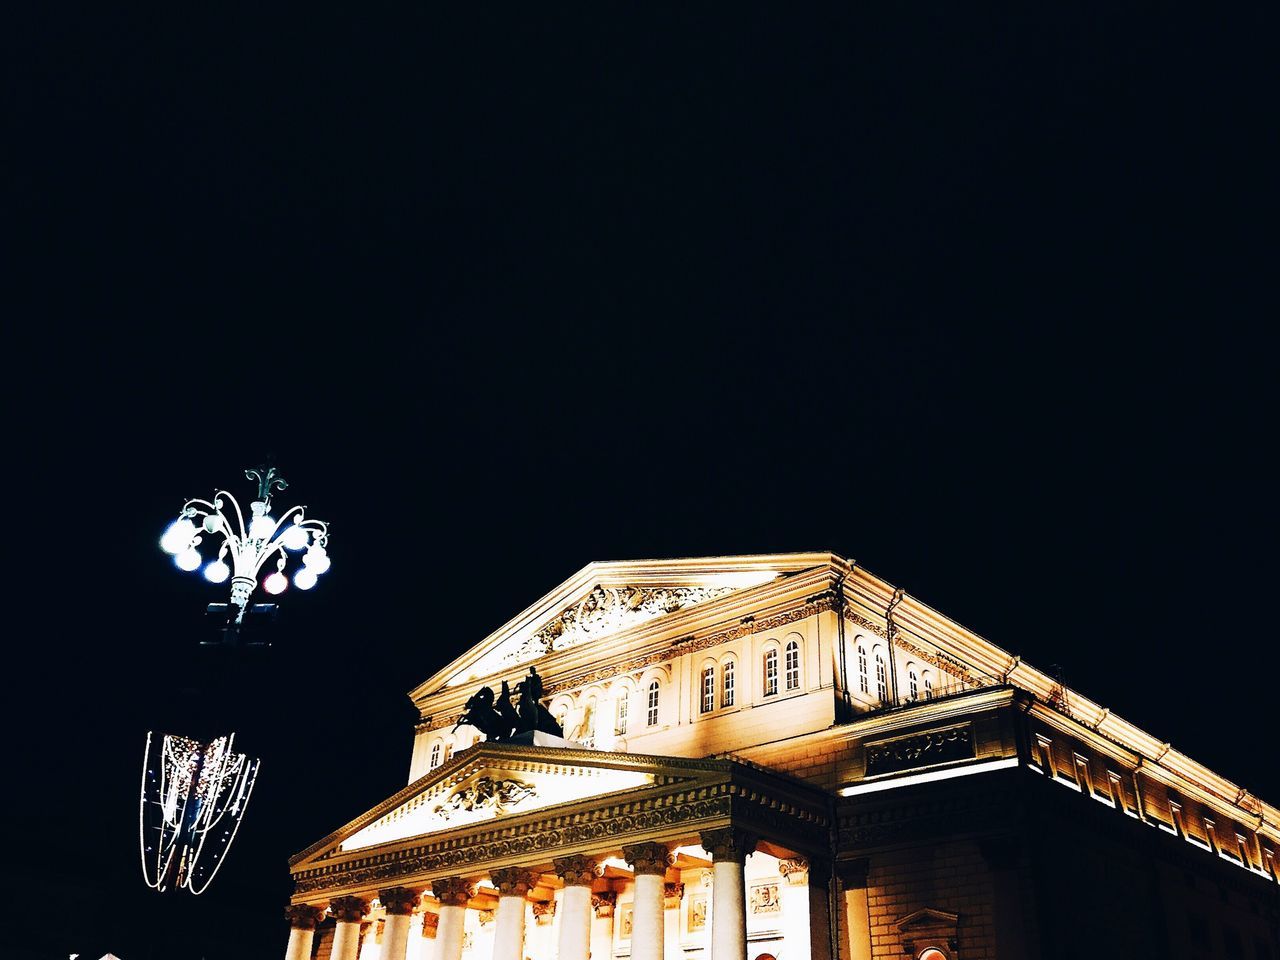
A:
(499, 721)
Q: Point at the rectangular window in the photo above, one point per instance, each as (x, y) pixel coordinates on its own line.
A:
(771, 673)
(708, 689)
(793, 666)
(726, 695)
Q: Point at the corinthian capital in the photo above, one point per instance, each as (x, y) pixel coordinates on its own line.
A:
(348, 909)
(728, 843)
(513, 881)
(453, 891)
(604, 902)
(650, 858)
(303, 916)
(399, 901)
(575, 871)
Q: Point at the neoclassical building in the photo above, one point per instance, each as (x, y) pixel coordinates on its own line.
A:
(784, 758)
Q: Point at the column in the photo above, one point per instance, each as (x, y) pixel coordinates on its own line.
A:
(603, 905)
(399, 903)
(649, 861)
(805, 915)
(422, 936)
(453, 894)
(857, 918)
(513, 886)
(348, 911)
(672, 894)
(577, 873)
(303, 918)
(729, 848)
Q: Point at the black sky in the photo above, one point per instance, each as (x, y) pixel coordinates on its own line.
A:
(982, 301)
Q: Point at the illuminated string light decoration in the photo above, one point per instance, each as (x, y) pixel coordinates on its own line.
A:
(244, 551)
(193, 798)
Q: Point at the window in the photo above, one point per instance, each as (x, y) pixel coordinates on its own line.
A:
(448, 752)
(726, 689)
(793, 666)
(624, 704)
(708, 690)
(435, 755)
(862, 668)
(882, 687)
(771, 673)
(913, 684)
(928, 686)
(652, 718)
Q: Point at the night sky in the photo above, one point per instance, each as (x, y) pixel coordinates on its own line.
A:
(982, 302)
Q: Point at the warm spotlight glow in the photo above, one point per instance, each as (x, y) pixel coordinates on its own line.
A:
(178, 535)
(188, 559)
(304, 579)
(217, 572)
(275, 583)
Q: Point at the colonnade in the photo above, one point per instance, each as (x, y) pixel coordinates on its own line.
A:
(579, 904)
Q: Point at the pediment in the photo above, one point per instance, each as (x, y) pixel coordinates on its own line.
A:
(607, 599)
(493, 781)
(927, 919)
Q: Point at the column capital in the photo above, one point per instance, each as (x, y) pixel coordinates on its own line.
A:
(672, 892)
(728, 843)
(647, 858)
(348, 909)
(603, 903)
(544, 912)
(513, 881)
(575, 871)
(453, 891)
(303, 916)
(399, 901)
(430, 924)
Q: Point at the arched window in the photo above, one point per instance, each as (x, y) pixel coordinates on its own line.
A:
(793, 666)
(913, 684)
(862, 668)
(882, 688)
(726, 681)
(435, 755)
(448, 752)
(771, 673)
(652, 718)
(624, 705)
(928, 685)
(708, 690)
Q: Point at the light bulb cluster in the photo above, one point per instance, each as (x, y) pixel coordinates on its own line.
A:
(244, 551)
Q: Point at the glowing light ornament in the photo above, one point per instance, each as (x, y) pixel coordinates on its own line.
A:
(304, 579)
(245, 548)
(192, 800)
(178, 536)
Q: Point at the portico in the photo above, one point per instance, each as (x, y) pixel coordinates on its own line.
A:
(635, 871)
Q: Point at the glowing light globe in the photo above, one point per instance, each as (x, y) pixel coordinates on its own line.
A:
(210, 523)
(275, 583)
(296, 537)
(188, 559)
(178, 535)
(261, 528)
(304, 579)
(316, 559)
(217, 572)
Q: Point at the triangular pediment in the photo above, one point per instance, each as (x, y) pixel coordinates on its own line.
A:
(493, 781)
(604, 600)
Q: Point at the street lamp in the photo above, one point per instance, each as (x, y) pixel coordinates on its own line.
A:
(244, 551)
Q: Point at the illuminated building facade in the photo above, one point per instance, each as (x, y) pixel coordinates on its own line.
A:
(784, 757)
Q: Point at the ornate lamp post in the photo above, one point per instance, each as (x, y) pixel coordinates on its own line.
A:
(249, 549)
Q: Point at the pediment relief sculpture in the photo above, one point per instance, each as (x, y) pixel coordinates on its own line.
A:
(486, 795)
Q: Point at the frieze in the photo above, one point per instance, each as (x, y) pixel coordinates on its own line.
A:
(923, 749)
(864, 623)
(486, 794)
